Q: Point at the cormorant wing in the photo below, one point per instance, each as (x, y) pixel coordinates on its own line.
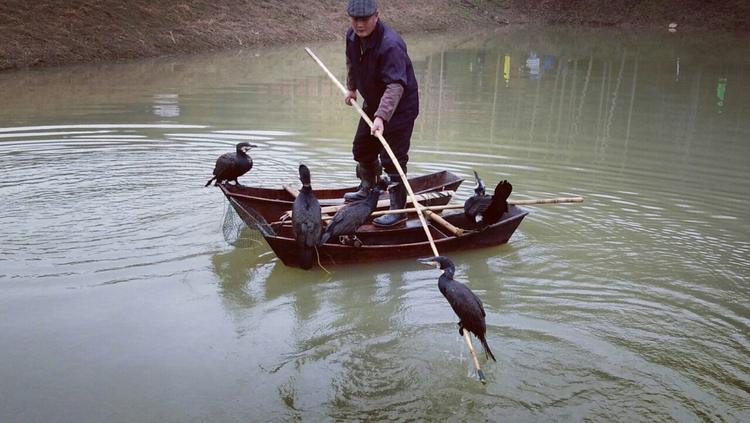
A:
(223, 163)
(476, 206)
(336, 220)
(462, 300)
(305, 233)
(306, 219)
(349, 218)
(479, 302)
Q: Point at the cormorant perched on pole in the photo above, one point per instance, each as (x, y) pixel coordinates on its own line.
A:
(306, 219)
(352, 216)
(230, 166)
(467, 306)
(483, 209)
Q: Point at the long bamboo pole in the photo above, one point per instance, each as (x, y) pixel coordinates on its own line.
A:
(474, 357)
(387, 148)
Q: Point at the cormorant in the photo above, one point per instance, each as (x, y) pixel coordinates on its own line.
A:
(230, 166)
(467, 306)
(483, 209)
(306, 219)
(352, 216)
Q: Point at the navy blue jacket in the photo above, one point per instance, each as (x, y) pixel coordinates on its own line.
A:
(384, 61)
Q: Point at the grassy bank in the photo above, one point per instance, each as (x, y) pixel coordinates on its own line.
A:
(56, 32)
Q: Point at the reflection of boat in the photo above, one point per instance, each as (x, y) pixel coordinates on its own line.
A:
(373, 244)
(272, 203)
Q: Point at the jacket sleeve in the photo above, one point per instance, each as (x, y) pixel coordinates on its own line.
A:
(389, 101)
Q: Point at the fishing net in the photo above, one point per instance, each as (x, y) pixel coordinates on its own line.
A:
(243, 227)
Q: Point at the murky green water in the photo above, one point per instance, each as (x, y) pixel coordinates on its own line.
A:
(120, 301)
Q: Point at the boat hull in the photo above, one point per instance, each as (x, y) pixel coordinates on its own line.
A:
(383, 245)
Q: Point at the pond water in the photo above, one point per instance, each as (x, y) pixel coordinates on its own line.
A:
(121, 301)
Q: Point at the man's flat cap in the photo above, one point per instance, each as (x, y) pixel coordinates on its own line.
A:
(361, 8)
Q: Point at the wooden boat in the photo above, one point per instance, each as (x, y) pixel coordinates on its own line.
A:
(272, 203)
(376, 244)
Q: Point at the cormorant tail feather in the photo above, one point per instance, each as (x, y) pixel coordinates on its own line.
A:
(487, 350)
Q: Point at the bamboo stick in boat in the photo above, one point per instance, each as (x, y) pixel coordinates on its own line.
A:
(294, 192)
(430, 210)
(422, 197)
(535, 201)
(412, 210)
(531, 202)
(381, 203)
(444, 223)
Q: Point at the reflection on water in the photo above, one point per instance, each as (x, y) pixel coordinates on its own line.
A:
(115, 278)
(167, 105)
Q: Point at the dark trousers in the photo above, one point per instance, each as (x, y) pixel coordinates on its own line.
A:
(367, 148)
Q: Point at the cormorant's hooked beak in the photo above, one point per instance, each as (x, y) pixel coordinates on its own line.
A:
(429, 261)
(246, 149)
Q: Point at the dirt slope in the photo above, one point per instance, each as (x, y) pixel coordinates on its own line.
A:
(56, 32)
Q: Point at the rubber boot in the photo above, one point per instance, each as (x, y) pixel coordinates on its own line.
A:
(368, 174)
(397, 194)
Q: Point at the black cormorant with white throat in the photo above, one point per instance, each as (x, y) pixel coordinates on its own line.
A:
(482, 209)
(467, 306)
(306, 219)
(230, 166)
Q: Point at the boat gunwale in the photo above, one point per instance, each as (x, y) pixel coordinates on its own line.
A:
(447, 177)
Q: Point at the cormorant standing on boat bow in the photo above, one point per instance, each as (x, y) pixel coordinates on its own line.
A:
(306, 219)
(484, 210)
(230, 166)
(467, 306)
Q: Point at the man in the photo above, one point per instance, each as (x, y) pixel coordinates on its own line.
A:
(380, 69)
